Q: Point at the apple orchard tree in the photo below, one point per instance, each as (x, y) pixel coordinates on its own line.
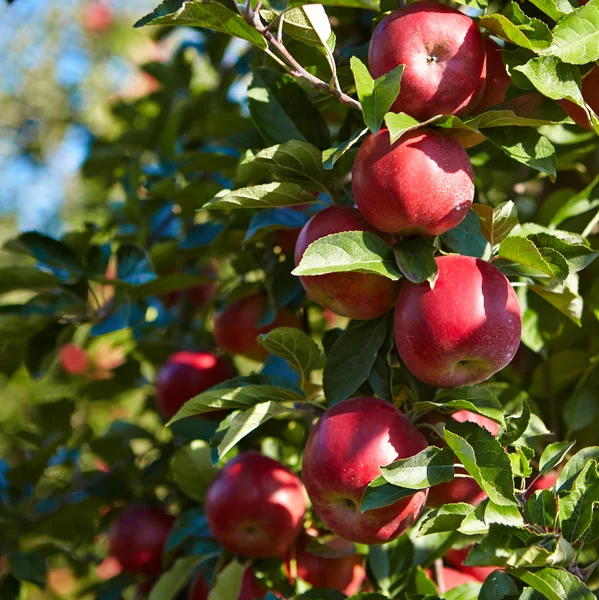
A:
(339, 339)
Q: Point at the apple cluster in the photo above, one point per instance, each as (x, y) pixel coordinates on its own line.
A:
(459, 331)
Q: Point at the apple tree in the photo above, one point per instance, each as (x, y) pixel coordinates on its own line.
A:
(335, 334)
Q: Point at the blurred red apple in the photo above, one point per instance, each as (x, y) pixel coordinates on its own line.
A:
(255, 506)
(497, 80)
(74, 359)
(590, 93)
(251, 588)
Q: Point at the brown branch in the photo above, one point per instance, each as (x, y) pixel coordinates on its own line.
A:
(296, 69)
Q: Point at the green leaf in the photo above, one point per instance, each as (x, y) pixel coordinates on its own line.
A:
(574, 467)
(484, 459)
(176, 578)
(467, 238)
(297, 348)
(54, 255)
(515, 424)
(580, 203)
(541, 508)
(487, 513)
(332, 155)
(555, 9)
(266, 195)
(293, 161)
(349, 251)
(380, 494)
(283, 111)
(228, 582)
(553, 455)
(134, 265)
(429, 467)
(28, 566)
(498, 586)
(520, 460)
(376, 95)
(576, 36)
(474, 398)
(351, 358)
(246, 421)
(223, 398)
(553, 78)
(415, 258)
(578, 256)
(555, 584)
(398, 124)
(445, 518)
(308, 24)
(496, 223)
(576, 506)
(521, 30)
(192, 469)
(526, 145)
(203, 13)
(26, 278)
(563, 298)
(523, 251)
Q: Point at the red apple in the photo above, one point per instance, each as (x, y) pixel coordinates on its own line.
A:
(74, 359)
(497, 81)
(255, 506)
(98, 17)
(451, 578)
(460, 489)
(236, 327)
(137, 539)
(456, 559)
(286, 239)
(422, 184)
(444, 57)
(590, 93)
(356, 295)
(251, 588)
(187, 374)
(344, 453)
(345, 572)
(464, 330)
(200, 296)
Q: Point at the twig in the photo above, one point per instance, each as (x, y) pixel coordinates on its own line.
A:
(296, 69)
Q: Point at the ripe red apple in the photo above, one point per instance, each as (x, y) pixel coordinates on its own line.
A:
(451, 578)
(137, 539)
(497, 80)
(590, 93)
(251, 588)
(187, 374)
(345, 573)
(456, 559)
(423, 184)
(255, 506)
(464, 330)
(460, 489)
(98, 17)
(74, 359)
(443, 54)
(344, 453)
(356, 295)
(236, 327)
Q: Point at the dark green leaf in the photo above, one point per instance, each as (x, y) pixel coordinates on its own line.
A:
(171, 582)
(553, 455)
(578, 256)
(541, 508)
(380, 494)
(484, 458)
(203, 13)
(487, 513)
(192, 469)
(352, 357)
(415, 258)
(427, 468)
(332, 155)
(515, 424)
(498, 586)
(26, 278)
(467, 238)
(496, 223)
(523, 251)
(574, 467)
(273, 219)
(282, 111)
(134, 265)
(266, 195)
(446, 518)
